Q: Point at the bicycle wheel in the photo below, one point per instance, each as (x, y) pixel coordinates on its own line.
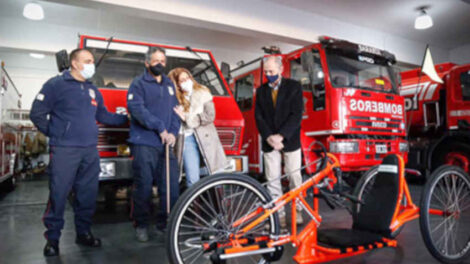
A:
(363, 188)
(205, 214)
(446, 231)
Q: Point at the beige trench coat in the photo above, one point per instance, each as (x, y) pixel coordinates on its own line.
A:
(200, 118)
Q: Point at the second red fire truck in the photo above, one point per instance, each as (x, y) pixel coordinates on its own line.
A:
(351, 102)
(438, 116)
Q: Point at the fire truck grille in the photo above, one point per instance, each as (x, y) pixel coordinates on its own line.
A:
(110, 137)
(375, 124)
(229, 137)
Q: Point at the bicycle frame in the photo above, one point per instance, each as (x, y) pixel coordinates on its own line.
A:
(309, 251)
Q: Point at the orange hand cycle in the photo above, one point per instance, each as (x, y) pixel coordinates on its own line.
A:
(231, 218)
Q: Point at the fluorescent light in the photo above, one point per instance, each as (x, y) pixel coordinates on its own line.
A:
(37, 55)
(423, 21)
(33, 11)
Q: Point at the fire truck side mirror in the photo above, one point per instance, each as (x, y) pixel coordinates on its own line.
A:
(225, 69)
(306, 59)
(398, 74)
(62, 60)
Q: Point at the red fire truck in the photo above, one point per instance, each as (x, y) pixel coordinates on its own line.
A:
(124, 60)
(439, 117)
(351, 102)
(10, 102)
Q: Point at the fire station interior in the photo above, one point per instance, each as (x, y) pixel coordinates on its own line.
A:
(385, 129)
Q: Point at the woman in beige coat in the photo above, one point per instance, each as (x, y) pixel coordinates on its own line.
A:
(198, 135)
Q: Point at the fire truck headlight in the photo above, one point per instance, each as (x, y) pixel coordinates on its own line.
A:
(404, 147)
(123, 150)
(236, 164)
(344, 147)
(108, 169)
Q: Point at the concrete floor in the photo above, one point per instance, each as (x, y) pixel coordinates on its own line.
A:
(21, 239)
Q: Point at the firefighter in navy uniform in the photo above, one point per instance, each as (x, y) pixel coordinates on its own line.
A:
(150, 100)
(66, 110)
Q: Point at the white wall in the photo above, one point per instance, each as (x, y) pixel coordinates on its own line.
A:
(28, 74)
(460, 55)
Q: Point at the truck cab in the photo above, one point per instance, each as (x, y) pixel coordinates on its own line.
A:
(351, 102)
(124, 60)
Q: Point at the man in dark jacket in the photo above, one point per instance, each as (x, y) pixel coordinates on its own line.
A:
(66, 110)
(278, 113)
(150, 101)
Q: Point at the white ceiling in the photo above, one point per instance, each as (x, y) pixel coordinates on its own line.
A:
(72, 19)
(451, 17)
(64, 19)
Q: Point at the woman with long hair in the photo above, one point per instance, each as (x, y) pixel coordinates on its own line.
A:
(198, 135)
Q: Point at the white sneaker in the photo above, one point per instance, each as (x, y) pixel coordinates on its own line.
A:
(141, 233)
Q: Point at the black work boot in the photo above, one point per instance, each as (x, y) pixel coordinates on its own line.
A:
(52, 248)
(87, 239)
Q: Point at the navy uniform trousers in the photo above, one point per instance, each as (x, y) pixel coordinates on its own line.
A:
(149, 168)
(73, 169)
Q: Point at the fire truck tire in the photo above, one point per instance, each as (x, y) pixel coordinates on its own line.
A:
(9, 184)
(362, 189)
(442, 152)
(207, 210)
(446, 232)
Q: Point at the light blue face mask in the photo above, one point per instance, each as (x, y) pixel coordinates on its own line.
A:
(88, 70)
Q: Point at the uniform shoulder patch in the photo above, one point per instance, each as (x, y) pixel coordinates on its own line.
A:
(92, 93)
(170, 90)
(40, 97)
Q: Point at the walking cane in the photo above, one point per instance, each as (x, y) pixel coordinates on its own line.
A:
(167, 160)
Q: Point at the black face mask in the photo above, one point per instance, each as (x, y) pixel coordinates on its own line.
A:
(157, 70)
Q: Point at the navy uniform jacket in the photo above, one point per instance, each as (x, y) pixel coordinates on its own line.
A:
(151, 107)
(66, 110)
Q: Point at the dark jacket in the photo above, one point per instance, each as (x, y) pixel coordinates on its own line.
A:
(151, 107)
(73, 108)
(285, 118)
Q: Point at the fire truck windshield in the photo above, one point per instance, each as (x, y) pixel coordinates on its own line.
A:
(120, 67)
(360, 71)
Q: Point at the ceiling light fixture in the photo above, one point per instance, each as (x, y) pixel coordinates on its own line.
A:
(423, 21)
(37, 55)
(33, 11)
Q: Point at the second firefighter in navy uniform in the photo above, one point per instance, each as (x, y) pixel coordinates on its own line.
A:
(150, 100)
(66, 110)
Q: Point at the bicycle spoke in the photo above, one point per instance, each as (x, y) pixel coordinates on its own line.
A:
(207, 220)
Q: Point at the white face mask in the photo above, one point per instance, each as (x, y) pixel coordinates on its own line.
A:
(187, 86)
(88, 70)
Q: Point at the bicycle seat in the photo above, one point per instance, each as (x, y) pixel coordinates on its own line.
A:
(375, 216)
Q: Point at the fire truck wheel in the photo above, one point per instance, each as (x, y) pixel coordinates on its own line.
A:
(445, 214)
(363, 188)
(201, 223)
(9, 185)
(457, 154)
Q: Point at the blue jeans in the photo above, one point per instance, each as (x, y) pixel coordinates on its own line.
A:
(191, 160)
